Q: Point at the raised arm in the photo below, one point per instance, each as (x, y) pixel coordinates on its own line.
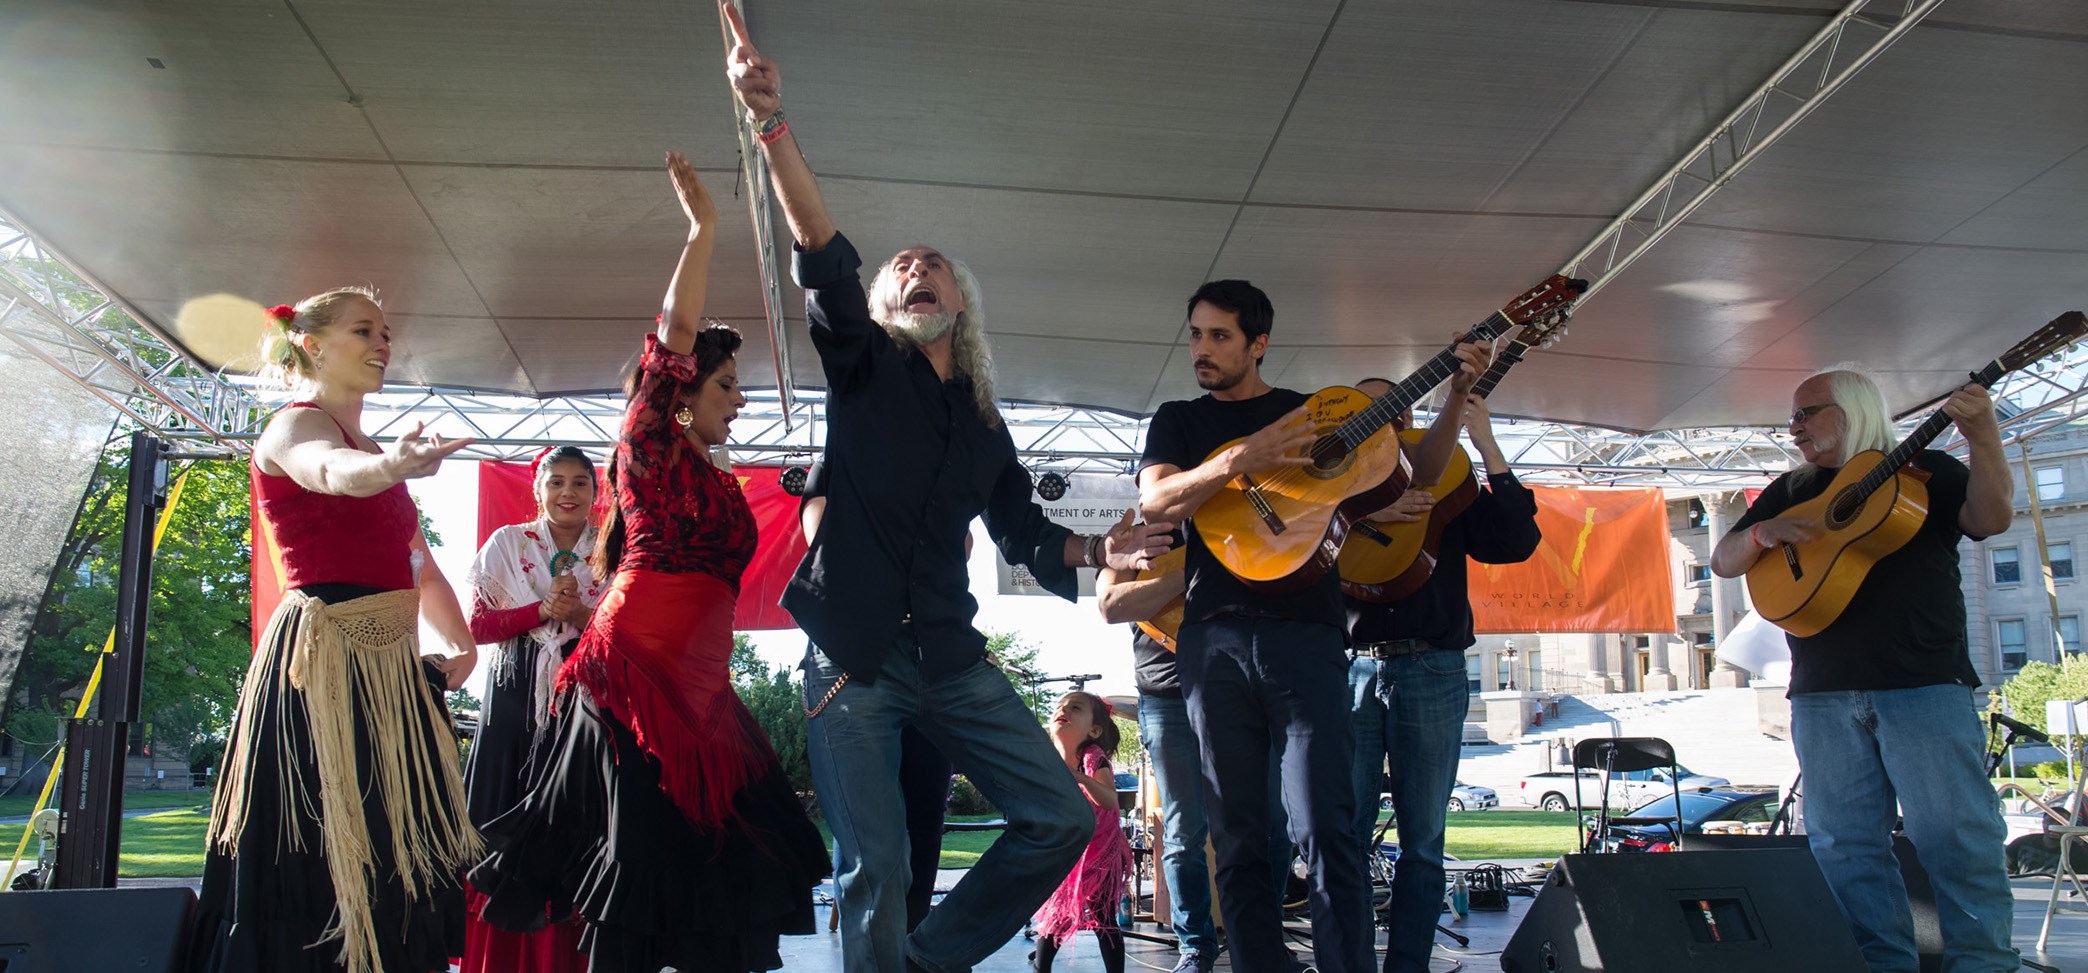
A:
(681, 312)
(1990, 493)
(1432, 455)
(759, 88)
(306, 446)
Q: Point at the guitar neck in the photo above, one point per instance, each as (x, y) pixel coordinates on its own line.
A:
(1502, 363)
(1922, 435)
(1389, 406)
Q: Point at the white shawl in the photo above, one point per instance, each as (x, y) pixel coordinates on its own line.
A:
(515, 568)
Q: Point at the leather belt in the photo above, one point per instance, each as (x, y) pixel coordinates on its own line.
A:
(1394, 649)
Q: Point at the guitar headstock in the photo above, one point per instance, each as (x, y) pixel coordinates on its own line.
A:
(1545, 330)
(2049, 340)
(1552, 295)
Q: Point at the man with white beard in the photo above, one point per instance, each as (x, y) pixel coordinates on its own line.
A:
(915, 449)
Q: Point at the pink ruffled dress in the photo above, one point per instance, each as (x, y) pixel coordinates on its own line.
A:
(1088, 898)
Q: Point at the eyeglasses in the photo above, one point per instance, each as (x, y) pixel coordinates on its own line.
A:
(1798, 418)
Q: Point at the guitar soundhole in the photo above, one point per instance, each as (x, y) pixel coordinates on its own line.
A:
(1844, 509)
(1330, 456)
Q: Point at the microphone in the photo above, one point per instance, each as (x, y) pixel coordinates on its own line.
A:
(2019, 728)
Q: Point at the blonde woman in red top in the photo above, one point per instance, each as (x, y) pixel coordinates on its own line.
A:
(339, 830)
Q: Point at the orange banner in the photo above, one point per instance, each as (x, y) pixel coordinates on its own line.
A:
(1603, 567)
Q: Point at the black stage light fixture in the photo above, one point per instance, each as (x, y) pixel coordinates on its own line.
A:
(1051, 486)
(793, 480)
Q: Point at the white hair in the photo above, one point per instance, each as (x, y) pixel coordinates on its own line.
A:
(1865, 423)
(969, 354)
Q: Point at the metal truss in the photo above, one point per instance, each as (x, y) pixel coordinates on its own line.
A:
(1793, 90)
(60, 316)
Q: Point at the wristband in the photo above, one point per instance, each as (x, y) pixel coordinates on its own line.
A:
(769, 129)
(1091, 551)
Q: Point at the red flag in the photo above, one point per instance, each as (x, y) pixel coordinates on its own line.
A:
(506, 496)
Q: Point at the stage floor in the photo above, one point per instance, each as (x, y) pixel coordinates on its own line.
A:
(1488, 932)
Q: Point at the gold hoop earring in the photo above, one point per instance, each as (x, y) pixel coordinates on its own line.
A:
(684, 417)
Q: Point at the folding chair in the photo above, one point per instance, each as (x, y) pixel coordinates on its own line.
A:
(1622, 755)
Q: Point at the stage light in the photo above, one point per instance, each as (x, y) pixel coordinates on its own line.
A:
(1051, 486)
(793, 480)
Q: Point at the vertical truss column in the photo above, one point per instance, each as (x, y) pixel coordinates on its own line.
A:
(758, 196)
(1793, 90)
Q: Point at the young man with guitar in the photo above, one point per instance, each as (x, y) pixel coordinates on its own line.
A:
(1881, 697)
(916, 449)
(1258, 667)
(1407, 683)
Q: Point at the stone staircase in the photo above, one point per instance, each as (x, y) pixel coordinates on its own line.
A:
(1714, 732)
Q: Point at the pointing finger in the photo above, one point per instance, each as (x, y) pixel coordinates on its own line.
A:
(736, 24)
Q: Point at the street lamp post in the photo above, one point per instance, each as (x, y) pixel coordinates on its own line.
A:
(1509, 653)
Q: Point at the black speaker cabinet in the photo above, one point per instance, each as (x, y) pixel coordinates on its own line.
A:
(1700, 912)
(1921, 896)
(75, 930)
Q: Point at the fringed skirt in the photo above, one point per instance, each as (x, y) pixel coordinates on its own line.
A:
(657, 809)
(338, 831)
(1088, 897)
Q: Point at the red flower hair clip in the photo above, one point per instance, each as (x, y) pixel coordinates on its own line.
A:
(282, 313)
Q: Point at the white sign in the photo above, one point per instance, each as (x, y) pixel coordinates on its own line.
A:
(1093, 503)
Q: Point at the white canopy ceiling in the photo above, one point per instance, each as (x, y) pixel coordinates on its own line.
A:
(1387, 170)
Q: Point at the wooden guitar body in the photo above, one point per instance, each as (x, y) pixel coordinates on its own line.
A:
(1278, 530)
(1382, 563)
(1165, 626)
(1803, 588)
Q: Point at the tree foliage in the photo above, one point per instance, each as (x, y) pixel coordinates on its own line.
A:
(198, 636)
(776, 704)
(2038, 683)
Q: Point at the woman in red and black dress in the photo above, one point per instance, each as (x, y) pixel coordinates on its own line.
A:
(339, 830)
(657, 809)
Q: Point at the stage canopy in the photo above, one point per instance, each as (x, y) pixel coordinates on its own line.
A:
(1386, 170)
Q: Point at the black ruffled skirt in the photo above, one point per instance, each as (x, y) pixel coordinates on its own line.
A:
(596, 835)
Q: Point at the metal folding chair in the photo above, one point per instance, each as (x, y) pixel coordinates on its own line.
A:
(1622, 755)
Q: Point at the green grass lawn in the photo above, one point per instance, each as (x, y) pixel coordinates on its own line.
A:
(164, 844)
(18, 804)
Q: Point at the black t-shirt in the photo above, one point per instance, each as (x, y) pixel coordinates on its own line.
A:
(1184, 434)
(1905, 627)
(1153, 667)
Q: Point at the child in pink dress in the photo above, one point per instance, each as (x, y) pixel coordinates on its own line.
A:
(1086, 736)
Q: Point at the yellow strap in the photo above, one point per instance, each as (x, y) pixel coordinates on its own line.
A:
(93, 683)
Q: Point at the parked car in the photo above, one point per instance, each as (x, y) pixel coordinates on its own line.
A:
(1641, 830)
(1553, 789)
(1463, 797)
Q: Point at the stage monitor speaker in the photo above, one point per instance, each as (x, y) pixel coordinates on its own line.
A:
(143, 930)
(1921, 896)
(1695, 911)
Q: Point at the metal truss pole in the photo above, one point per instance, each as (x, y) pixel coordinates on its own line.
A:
(770, 262)
(1802, 84)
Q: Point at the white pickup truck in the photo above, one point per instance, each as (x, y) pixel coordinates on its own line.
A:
(1553, 790)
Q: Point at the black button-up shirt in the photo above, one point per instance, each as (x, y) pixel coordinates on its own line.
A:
(909, 462)
(1500, 527)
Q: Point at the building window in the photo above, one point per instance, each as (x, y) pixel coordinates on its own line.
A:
(1700, 574)
(2061, 556)
(2009, 635)
(1472, 673)
(1535, 670)
(2051, 483)
(2070, 633)
(2008, 565)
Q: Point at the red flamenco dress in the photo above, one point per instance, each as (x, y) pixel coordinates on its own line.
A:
(657, 810)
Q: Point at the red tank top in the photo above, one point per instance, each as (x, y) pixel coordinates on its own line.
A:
(326, 538)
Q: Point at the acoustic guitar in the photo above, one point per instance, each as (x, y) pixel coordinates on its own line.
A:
(1164, 625)
(1874, 507)
(1280, 530)
(1384, 562)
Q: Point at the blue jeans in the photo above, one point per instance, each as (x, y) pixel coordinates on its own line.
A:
(1263, 690)
(1409, 717)
(1169, 740)
(1861, 754)
(977, 721)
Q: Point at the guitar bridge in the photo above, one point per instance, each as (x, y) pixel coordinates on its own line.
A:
(1790, 554)
(1261, 505)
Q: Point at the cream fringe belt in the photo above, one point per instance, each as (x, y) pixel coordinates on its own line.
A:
(357, 654)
